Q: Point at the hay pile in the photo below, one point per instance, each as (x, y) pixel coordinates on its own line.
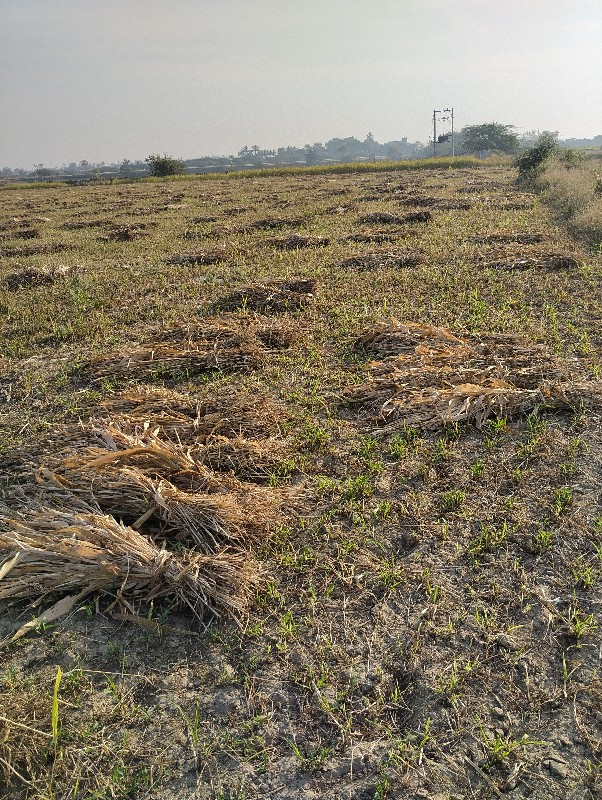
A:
(203, 220)
(295, 242)
(203, 258)
(383, 259)
(78, 225)
(148, 503)
(36, 276)
(510, 237)
(26, 233)
(375, 236)
(34, 250)
(443, 203)
(272, 223)
(218, 346)
(123, 233)
(277, 295)
(430, 377)
(512, 259)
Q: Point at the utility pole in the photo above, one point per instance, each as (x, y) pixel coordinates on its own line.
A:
(435, 132)
(451, 110)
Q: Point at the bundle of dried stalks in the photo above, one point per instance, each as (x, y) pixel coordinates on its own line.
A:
(155, 457)
(381, 218)
(379, 237)
(179, 359)
(228, 412)
(34, 250)
(234, 514)
(203, 220)
(388, 339)
(551, 261)
(79, 225)
(511, 237)
(248, 459)
(50, 550)
(444, 203)
(431, 377)
(36, 276)
(205, 258)
(272, 296)
(123, 233)
(271, 223)
(295, 242)
(385, 259)
(26, 233)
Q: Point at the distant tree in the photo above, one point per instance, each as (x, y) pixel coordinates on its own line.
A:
(43, 172)
(489, 136)
(125, 166)
(310, 155)
(161, 166)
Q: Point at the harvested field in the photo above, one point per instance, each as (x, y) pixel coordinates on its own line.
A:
(303, 523)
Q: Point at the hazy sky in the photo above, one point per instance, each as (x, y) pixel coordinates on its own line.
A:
(111, 79)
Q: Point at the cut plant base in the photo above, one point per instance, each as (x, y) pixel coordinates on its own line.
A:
(430, 377)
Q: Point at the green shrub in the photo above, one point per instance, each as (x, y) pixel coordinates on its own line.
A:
(532, 161)
(161, 166)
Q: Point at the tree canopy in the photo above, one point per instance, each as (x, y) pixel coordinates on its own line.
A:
(160, 166)
(489, 136)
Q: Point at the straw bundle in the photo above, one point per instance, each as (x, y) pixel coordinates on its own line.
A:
(36, 276)
(207, 521)
(204, 258)
(378, 237)
(551, 261)
(50, 550)
(271, 296)
(392, 339)
(295, 242)
(228, 412)
(512, 237)
(173, 360)
(381, 217)
(34, 250)
(430, 377)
